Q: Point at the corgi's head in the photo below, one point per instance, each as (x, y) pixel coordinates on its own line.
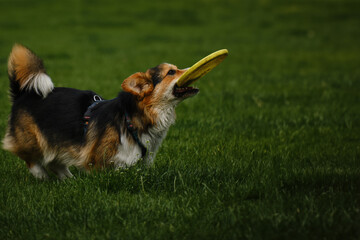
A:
(157, 86)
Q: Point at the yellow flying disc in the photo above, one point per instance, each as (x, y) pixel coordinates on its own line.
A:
(202, 67)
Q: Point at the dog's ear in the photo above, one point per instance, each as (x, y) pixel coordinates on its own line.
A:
(138, 84)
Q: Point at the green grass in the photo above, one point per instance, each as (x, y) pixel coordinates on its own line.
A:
(269, 149)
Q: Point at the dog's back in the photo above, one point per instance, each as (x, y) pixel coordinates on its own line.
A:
(59, 115)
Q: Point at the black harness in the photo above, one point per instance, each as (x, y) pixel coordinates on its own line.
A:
(87, 116)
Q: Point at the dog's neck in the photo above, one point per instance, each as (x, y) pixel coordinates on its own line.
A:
(165, 117)
(157, 117)
(158, 131)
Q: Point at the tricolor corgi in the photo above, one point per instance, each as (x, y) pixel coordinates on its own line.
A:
(52, 128)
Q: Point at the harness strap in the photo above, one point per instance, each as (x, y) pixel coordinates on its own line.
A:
(87, 115)
(97, 99)
(135, 135)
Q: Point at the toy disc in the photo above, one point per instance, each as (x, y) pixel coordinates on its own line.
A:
(201, 68)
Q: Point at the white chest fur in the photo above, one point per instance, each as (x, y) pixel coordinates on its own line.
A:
(129, 153)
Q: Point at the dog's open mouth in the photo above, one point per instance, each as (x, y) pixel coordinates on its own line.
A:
(184, 92)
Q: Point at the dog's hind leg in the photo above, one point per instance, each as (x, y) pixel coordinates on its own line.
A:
(60, 170)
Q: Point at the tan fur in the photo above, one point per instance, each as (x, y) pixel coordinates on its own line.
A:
(23, 64)
(100, 149)
(30, 145)
(154, 99)
(26, 141)
(148, 98)
(138, 84)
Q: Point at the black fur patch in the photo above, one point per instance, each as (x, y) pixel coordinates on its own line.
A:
(60, 115)
(111, 113)
(155, 73)
(14, 88)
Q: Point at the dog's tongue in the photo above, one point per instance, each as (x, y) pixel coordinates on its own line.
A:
(202, 67)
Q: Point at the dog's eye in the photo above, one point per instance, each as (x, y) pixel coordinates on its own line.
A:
(171, 72)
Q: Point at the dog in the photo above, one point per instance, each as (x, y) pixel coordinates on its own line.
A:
(53, 128)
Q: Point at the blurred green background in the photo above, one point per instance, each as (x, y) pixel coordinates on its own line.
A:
(269, 149)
